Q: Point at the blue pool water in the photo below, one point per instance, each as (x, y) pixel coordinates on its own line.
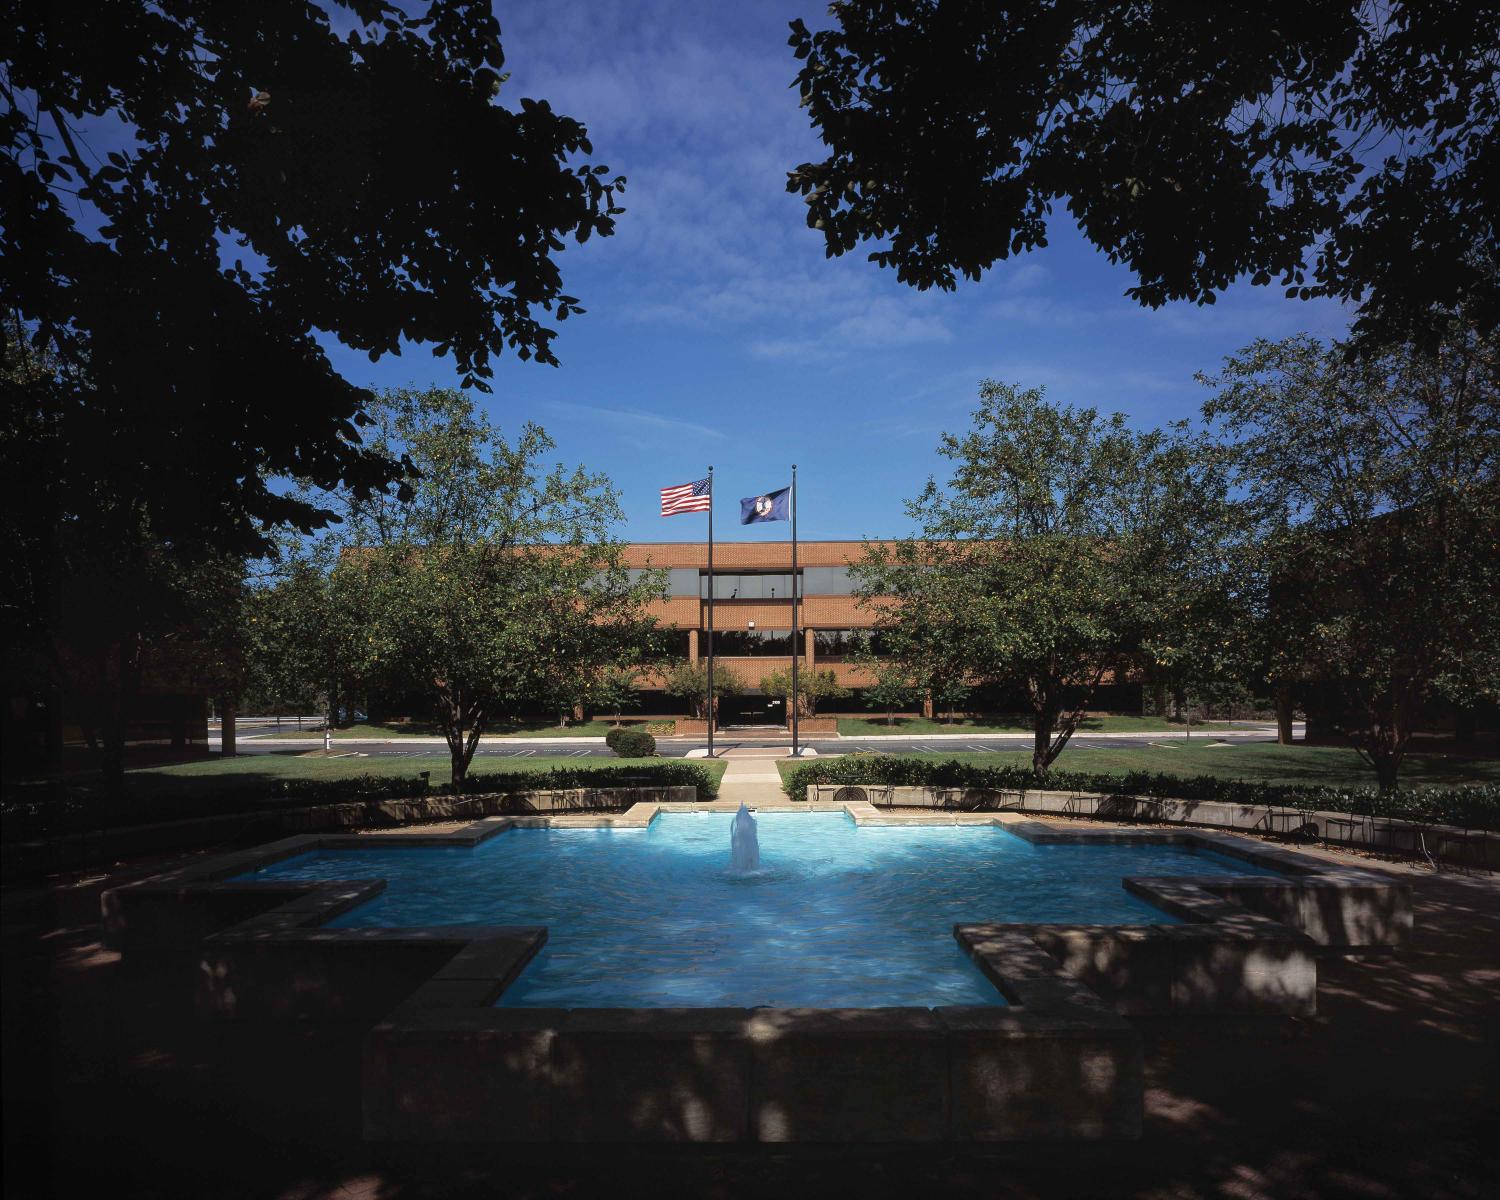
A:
(836, 916)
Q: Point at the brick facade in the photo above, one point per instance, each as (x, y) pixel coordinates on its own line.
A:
(815, 612)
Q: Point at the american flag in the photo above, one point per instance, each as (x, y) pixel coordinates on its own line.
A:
(685, 497)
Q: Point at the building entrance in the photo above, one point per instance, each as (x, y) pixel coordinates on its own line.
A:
(751, 710)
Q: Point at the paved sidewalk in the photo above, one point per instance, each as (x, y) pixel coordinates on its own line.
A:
(751, 777)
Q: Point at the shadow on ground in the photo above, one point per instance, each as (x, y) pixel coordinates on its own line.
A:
(1390, 1091)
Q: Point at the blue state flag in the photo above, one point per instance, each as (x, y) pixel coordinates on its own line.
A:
(773, 506)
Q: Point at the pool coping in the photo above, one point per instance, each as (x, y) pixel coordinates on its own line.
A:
(1060, 1060)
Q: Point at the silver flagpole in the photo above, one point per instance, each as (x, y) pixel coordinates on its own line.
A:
(712, 708)
(796, 597)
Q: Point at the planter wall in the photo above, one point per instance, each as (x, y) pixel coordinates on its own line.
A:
(1476, 847)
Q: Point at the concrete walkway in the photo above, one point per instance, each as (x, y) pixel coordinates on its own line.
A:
(751, 777)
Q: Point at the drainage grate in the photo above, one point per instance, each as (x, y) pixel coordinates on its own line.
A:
(850, 795)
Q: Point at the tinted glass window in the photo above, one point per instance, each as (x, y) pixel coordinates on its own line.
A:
(827, 581)
(751, 643)
(748, 586)
(846, 643)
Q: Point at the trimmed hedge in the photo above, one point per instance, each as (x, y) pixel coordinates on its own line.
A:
(670, 772)
(1475, 807)
(39, 815)
(612, 738)
(632, 743)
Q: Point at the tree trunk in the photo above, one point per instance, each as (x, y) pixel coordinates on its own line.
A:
(453, 732)
(1387, 732)
(1465, 727)
(120, 686)
(1284, 714)
(1041, 740)
(55, 742)
(228, 711)
(1387, 770)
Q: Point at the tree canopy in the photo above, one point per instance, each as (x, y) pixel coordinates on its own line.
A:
(1341, 149)
(193, 195)
(498, 588)
(1374, 489)
(1065, 545)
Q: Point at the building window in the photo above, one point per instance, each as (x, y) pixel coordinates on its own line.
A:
(827, 581)
(751, 643)
(748, 586)
(838, 644)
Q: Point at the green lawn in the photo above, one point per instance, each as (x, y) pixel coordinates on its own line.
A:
(1109, 723)
(1262, 762)
(204, 776)
(426, 729)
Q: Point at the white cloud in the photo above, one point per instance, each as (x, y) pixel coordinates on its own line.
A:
(706, 130)
(632, 418)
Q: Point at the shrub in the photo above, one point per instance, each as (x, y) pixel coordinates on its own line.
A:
(1476, 807)
(634, 743)
(612, 738)
(670, 772)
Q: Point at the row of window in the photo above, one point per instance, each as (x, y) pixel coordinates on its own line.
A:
(755, 585)
(832, 644)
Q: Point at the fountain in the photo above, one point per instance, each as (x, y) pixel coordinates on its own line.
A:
(744, 842)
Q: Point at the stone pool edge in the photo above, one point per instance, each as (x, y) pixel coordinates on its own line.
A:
(442, 1065)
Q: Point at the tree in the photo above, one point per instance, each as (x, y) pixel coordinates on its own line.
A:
(306, 631)
(192, 194)
(617, 688)
(191, 197)
(689, 682)
(1061, 545)
(94, 604)
(948, 693)
(893, 687)
(1343, 149)
(1375, 485)
(813, 687)
(498, 586)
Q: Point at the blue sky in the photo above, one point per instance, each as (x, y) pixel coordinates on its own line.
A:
(717, 332)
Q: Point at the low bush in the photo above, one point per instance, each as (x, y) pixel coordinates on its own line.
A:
(1476, 807)
(633, 743)
(612, 738)
(670, 772)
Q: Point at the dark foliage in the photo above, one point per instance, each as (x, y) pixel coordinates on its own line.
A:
(34, 811)
(191, 192)
(1343, 149)
(1468, 807)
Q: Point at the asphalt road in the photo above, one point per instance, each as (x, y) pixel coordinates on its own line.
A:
(679, 747)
